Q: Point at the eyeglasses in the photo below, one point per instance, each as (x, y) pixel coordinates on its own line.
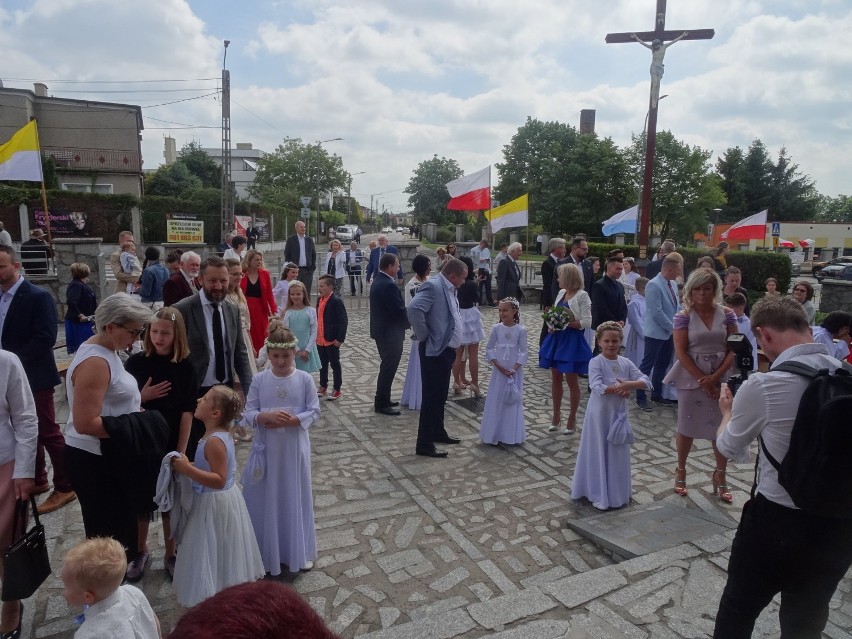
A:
(134, 332)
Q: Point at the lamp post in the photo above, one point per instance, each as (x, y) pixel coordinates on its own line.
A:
(349, 197)
(319, 148)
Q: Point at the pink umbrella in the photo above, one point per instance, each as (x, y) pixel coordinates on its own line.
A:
(786, 244)
(806, 243)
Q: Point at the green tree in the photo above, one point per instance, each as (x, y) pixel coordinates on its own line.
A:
(201, 164)
(296, 169)
(427, 190)
(684, 188)
(794, 194)
(574, 181)
(731, 170)
(835, 209)
(758, 177)
(171, 179)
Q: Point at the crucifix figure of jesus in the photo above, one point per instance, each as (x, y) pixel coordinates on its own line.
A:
(658, 51)
(657, 41)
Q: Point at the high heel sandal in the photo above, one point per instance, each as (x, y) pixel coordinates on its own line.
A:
(554, 423)
(680, 484)
(474, 390)
(570, 426)
(722, 490)
(457, 388)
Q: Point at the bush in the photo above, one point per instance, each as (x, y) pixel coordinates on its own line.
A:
(444, 235)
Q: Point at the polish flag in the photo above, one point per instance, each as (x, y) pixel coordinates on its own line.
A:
(471, 192)
(751, 228)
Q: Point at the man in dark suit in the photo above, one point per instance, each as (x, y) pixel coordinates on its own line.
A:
(252, 235)
(332, 322)
(608, 301)
(376, 256)
(579, 250)
(300, 250)
(388, 321)
(28, 329)
(655, 265)
(215, 337)
(556, 249)
(434, 315)
(509, 274)
(185, 281)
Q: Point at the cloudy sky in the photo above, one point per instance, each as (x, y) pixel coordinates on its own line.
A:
(403, 80)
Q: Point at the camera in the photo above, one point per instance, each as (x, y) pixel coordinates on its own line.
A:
(743, 360)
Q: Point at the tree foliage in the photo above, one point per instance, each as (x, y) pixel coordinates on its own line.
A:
(201, 164)
(574, 181)
(171, 180)
(427, 189)
(684, 188)
(296, 169)
(835, 209)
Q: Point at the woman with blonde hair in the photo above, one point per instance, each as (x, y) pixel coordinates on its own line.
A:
(565, 350)
(257, 287)
(702, 363)
(335, 265)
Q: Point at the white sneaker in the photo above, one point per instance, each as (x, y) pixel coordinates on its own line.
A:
(309, 565)
(568, 431)
(599, 505)
(553, 428)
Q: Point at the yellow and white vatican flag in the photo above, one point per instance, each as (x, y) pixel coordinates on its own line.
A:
(20, 158)
(510, 215)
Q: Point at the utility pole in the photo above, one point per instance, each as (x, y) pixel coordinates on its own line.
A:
(227, 208)
(349, 197)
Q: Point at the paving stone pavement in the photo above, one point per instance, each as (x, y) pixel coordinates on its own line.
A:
(478, 544)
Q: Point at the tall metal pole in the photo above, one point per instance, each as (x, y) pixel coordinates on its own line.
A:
(227, 203)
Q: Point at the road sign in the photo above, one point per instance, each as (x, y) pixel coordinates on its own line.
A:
(774, 241)
(776, 229)
(306, 213)
(305, 200)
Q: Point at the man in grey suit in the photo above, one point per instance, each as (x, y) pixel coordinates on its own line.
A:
(300, 250)
(434, 316)
(509, 274)
(215, 337)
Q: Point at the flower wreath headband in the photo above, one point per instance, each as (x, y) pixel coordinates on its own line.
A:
(285, 345)
(511, 300)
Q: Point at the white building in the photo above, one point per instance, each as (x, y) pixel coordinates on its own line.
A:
(243, 166)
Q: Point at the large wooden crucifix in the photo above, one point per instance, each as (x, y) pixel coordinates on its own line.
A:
(657, 41)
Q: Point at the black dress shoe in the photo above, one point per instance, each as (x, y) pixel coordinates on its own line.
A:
(448, 440)
(387, 410)
(14, 634)
(663, 401)
(432, 453)
(394, 404)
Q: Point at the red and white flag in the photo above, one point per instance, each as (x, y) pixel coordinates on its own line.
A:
(471, 192)
(751, 228)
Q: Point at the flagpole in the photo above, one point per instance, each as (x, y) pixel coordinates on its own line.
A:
(488, 232)
(43, 190)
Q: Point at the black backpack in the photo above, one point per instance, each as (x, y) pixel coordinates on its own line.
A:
(817, 470)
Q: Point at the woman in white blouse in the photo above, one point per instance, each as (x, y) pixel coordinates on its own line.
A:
(335, 264)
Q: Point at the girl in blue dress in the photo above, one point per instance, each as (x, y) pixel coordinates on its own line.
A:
(565, 352)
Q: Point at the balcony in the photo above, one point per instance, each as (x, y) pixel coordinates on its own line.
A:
(95, 159)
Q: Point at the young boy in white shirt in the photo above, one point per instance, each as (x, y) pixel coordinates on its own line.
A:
(92, 573)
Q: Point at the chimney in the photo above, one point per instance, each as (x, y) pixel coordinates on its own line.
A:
(40, 89)
(587, 121)
(170, 151)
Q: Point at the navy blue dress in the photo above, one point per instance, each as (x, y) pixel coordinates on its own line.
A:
(567, 350)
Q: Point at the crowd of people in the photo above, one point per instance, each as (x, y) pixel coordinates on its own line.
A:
(203, 354)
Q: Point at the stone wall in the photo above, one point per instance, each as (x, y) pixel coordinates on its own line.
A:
(66, 252)
(835, 296)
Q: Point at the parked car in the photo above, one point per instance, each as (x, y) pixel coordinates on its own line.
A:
(404, 230)
(817, 265)
(345, 233)
(835, 272)
(387, 229)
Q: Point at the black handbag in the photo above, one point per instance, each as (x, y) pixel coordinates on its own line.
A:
(25, 563)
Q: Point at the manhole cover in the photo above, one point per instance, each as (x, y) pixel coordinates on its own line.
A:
(473, 404)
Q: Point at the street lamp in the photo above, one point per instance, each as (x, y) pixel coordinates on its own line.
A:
(349, 196)
(319, 147)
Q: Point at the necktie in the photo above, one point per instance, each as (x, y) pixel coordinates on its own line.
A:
(671, 293)
(381, 253)
(218, 343)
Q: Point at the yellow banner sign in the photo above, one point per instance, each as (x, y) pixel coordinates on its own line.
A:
(185, 231)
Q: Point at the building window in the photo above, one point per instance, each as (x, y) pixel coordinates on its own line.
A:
(103, 189)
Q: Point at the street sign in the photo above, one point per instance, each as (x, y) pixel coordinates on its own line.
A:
(776, 229)
(305, 200)
(306, 213)
(774, 241)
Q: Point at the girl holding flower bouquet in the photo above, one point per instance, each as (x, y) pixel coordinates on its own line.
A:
(565, 350)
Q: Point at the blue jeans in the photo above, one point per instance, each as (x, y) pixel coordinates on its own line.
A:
(658, 356)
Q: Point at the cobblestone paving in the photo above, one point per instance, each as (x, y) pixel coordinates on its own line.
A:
(476, 545)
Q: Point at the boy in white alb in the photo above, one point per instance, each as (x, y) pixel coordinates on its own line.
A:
(92, 573)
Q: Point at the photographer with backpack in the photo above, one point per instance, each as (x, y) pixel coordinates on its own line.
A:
(795, 534)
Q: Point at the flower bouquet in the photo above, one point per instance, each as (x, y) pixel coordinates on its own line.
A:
(558, 317)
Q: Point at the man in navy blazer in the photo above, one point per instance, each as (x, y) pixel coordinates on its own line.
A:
(661, 304)
(376, 256)
(577, 256)
(388, 321)
(434, 316)
(28, 329)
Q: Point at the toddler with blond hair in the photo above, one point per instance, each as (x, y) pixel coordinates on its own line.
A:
(92, 573)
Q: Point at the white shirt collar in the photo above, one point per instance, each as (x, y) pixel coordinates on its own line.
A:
(14, 289)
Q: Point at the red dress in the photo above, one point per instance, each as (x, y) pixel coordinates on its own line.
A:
(261, 304)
